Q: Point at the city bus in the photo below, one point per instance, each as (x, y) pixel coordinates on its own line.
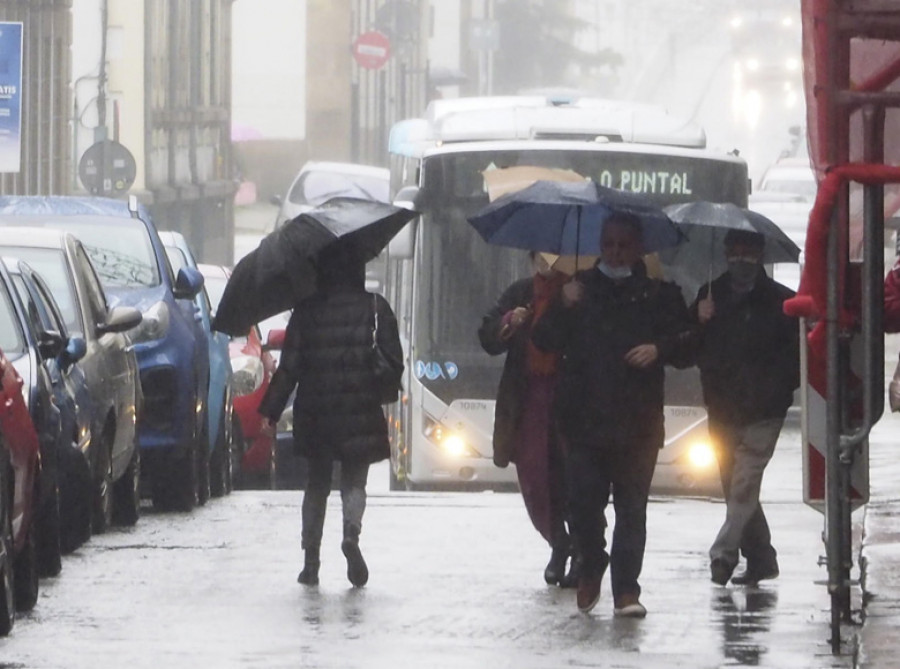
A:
(441, 277)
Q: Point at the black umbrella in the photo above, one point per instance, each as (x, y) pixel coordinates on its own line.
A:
(705, 225)
(282, 271)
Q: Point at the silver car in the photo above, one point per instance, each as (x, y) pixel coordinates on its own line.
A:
(109, 367)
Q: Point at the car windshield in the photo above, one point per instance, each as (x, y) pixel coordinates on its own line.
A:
(51, 264)
(315, 187)
(12, 340)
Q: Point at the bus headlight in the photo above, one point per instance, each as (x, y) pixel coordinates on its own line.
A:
(450, 441)
(701, 455)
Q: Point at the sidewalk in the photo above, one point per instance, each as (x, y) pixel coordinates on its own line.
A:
(879, 559)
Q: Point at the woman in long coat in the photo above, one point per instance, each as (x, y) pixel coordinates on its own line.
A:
(523, 425)
(327, 356)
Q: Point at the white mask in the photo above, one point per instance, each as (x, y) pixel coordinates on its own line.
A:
(614, 272)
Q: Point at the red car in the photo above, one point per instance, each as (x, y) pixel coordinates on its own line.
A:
(252, 368)
(19, 454)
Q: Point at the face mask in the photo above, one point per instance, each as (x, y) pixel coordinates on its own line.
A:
(614, 272)
(743, 273)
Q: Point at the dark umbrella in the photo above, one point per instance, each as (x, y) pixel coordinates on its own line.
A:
(566, 218)
(705, 225)
(282, 270)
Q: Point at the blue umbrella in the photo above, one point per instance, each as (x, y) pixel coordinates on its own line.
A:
(567, 218)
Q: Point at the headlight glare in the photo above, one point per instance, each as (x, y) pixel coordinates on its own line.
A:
(452, 442)
(701, 455)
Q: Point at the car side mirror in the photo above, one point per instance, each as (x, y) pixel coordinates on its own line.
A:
(275, 340)
(188, 283)
(121, 319)
(276, 200)
(75, 350)
(50, 344)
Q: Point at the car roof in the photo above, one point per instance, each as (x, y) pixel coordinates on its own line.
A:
(43, 238)
(68, 205)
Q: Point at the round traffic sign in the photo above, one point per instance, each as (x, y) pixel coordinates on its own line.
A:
(371, 50)
(107, 168)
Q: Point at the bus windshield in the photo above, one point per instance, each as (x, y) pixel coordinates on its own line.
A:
(460, 276)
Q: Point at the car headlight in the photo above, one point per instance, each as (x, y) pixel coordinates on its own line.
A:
(247, 374)
(701, 455)
(154, 325)
(452, 442)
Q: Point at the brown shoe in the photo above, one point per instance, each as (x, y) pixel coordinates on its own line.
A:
(588, 593)
(629, 606)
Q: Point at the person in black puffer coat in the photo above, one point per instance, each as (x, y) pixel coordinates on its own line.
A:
(327, 356)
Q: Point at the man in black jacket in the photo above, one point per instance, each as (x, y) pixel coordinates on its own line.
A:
(615, 328)
(748, 357)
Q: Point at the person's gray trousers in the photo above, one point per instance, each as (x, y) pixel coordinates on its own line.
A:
(315, 498)
(743, 453)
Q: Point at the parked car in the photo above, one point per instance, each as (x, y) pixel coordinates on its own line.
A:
(19, 472)
(253, 367)
(318, 181)
(216, 475)
(100, 484)
(44, 392)
(172, 354)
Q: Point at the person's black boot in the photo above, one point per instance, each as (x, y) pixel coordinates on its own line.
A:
(555, 571)
(570, 580)
(357, 571)
(310, 573)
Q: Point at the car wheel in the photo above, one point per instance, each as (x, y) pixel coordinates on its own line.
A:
(175, 486)
(7, 593)
(220, 463)
(203, 458)
(102, 513)
(25, 574)
(47, 546)
(126, 507)
(75, 497)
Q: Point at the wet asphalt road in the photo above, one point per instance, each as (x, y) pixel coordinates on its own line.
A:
(456, 581)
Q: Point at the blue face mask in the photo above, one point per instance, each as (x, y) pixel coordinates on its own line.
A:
(614, 272)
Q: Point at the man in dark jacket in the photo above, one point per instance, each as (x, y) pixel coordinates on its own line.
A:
(615, 328)
(748, 357)
(327, 356)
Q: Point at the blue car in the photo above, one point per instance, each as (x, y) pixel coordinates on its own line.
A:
(217, 478)
(172, 353)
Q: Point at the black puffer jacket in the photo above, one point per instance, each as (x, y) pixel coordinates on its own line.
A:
(599, 393)
(327, 356)
(748, 353)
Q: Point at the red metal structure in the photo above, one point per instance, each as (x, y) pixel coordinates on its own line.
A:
(852, 79)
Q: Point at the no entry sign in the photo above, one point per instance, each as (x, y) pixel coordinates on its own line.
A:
(371, 50)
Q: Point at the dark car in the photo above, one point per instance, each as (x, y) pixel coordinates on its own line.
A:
(172, 354)
(100, 473)
(19, 471)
